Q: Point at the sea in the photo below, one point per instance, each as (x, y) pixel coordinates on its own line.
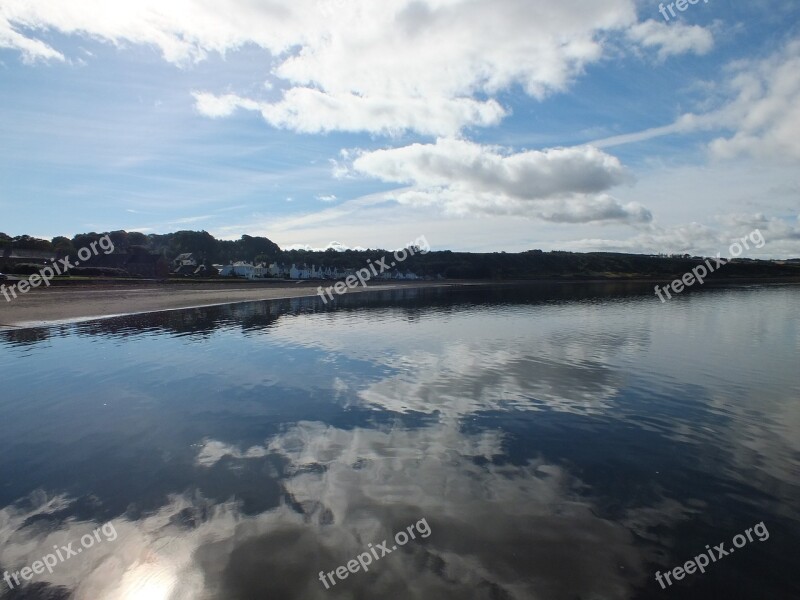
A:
(557, 441)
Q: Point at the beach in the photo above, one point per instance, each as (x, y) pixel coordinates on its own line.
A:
(60, 304)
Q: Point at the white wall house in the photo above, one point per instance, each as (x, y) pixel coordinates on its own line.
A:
(241, 269)
(276, 270)
(301, 272)
(262, 271)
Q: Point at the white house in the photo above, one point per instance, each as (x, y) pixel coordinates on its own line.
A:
(241, 269)
(302, 272)
(276, 270)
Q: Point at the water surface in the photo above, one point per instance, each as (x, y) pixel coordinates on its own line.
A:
(558, 442)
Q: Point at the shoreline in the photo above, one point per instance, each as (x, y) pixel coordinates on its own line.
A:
(76, 303)
(92, 300)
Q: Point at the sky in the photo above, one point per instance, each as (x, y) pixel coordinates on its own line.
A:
(483, 125)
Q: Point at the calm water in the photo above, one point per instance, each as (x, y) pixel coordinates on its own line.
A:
(553, 442)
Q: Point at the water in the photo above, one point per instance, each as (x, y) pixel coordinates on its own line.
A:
(553, 442)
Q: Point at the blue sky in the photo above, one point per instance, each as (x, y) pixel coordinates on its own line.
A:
(484, 125)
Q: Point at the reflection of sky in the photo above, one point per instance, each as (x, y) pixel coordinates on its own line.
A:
(520, 529)
(558, 449)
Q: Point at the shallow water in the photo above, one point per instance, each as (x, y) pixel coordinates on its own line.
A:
(554, 442)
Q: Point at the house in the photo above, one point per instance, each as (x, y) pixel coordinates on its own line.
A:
(206, 271)
(302, 272)
(238, 269)
(185, 260)
(278, 270)
(246, 270)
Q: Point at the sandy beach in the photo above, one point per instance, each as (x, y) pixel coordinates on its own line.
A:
(60, 304)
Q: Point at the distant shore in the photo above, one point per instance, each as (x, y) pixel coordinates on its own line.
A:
(86, 300)
(92, 299)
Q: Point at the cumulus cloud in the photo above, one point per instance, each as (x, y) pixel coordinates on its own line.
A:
(313, 111)
(524, 175)
(430, 66)
(671, 39)
(594, 210)
(765, 112)
(557, 184)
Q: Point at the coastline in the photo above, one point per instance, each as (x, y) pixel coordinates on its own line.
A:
(75, 303)
(90, 300)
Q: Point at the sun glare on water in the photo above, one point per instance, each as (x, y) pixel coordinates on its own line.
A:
(148, 581)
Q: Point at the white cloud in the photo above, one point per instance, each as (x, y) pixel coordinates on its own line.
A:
(525, 175)
(780, 236)
(430, 66)
(221, 106)
(762, 110)
(190, 220)
(684, 124)
(593, 210)
(766, 110)
(338, 246)
(558, 184)
(327, 198)
(672, 39)
(313, 111)
(31, 49)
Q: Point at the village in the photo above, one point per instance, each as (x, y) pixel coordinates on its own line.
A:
(189, 265)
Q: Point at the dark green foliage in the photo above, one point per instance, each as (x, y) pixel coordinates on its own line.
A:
(63, 245)
(26, 242)
(84, 240)
(135, 248)
(23, 269)
(206, 248)
(98, 272)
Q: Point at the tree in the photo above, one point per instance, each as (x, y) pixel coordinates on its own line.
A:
(27, 242)
(201, 243)
(62, 245)
(252, 246)
(84, 240)
(120, 239)
(137, 238)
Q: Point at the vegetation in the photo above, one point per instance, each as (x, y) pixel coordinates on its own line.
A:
(533, 264)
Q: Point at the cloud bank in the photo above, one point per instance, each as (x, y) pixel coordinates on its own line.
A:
(430, 66)
(564, 185)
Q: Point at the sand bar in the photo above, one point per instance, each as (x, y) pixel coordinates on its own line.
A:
(61, 304)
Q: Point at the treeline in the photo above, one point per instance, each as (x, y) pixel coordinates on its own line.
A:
(533, 264)
(200, 243)
(559, 265)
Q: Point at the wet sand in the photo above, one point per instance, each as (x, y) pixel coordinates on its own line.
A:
(60, 304)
